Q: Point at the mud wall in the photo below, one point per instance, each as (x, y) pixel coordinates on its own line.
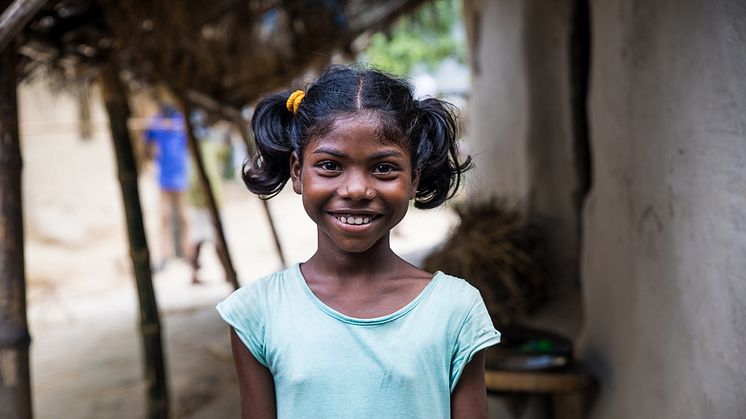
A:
(664, 243)
(520, 128)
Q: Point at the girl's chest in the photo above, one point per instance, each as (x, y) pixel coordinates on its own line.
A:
(326, 350)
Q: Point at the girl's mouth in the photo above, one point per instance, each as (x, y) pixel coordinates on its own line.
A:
(353, 219)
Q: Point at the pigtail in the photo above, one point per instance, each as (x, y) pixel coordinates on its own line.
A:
(434, 134)
(269, 170)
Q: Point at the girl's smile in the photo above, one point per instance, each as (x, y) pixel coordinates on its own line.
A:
(356, 185)
(354, 219)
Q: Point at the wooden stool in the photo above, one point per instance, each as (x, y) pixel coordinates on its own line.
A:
(570, 391)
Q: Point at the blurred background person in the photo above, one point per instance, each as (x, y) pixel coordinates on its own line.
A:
(166, 141)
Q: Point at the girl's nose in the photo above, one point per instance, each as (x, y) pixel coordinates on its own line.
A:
(357, 187)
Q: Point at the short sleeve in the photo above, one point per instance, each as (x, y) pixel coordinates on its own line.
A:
(243, 310)
(477, 333)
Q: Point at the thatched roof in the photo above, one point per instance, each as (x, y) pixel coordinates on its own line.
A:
(226, 50)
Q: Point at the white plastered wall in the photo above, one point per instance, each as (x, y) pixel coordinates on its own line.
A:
(664, 259)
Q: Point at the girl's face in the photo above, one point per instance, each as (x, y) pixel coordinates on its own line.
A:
(355, 185)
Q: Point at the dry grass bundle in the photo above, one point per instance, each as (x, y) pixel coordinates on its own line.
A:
(497, 252)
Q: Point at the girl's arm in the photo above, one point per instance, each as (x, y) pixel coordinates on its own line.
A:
(255, 383)
(469, 398)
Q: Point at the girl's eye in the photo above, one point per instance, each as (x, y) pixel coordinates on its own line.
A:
(384, 169)
(329, 166)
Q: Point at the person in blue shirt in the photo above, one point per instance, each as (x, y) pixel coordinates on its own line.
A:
(355, 331)
(166, 139)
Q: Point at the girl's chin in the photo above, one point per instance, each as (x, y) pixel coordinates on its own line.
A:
(356, 247)
(353, 246)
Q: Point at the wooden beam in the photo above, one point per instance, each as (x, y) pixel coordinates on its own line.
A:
(210, 104)
(15, 17)
(15, 388)
(115, 99)
(212, 206)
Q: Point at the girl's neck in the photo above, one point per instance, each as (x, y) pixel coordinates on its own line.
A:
(330, 261)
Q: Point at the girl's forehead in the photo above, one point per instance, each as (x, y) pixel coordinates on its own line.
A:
(366, 120)
(356, 129)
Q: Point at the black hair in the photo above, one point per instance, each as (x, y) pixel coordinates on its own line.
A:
(428, 128)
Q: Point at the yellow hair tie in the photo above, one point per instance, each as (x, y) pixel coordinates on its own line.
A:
(294, 100)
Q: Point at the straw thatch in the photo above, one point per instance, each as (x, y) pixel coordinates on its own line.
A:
(227, 51)
(497, 252)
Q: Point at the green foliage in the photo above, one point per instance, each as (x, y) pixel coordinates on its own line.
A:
(423, 37)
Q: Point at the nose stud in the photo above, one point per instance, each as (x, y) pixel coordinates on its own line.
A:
(370, 193)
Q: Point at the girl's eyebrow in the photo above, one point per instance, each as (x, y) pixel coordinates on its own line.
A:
(378, 155)
(387, 153)
(332, 151)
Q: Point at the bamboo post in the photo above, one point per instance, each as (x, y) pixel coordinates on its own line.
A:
(265, 205)
(234, 115)
(15, 382)
(15, 17)
(155, 373)
(222, 245)
(85, 125)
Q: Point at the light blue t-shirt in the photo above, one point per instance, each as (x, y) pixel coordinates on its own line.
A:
(329, 365)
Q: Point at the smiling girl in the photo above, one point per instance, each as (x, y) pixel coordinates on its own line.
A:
(356, 331)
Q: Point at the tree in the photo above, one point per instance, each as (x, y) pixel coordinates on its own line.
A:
(425, 37)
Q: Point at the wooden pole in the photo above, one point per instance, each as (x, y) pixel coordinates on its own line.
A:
(234, 115)
(265, 205)
(204, 180)
(85, 125)
(15, 17)
(155, 372)
(15, 382)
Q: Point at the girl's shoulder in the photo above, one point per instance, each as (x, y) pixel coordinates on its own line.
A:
(456, 291)
(257, 292)
(266, 282)
(455, 284)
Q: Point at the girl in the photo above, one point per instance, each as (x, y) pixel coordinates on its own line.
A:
(355, 331)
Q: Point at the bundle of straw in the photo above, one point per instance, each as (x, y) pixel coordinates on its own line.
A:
(496, 251)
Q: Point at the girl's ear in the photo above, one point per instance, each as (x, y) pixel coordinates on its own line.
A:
(295, 172)
(415, 183)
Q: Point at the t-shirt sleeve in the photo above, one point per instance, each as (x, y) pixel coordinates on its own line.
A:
(243, 311)
(477, 333)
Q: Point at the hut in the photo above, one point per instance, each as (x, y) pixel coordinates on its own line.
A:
(617, 126)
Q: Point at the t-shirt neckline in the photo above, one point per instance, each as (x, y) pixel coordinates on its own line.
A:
(296, 272)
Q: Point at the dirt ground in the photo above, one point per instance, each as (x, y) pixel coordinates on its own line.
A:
(82, 304)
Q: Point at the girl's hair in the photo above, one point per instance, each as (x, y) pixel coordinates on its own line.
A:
(426, 127)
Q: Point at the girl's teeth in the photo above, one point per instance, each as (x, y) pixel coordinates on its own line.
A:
(349, 219)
